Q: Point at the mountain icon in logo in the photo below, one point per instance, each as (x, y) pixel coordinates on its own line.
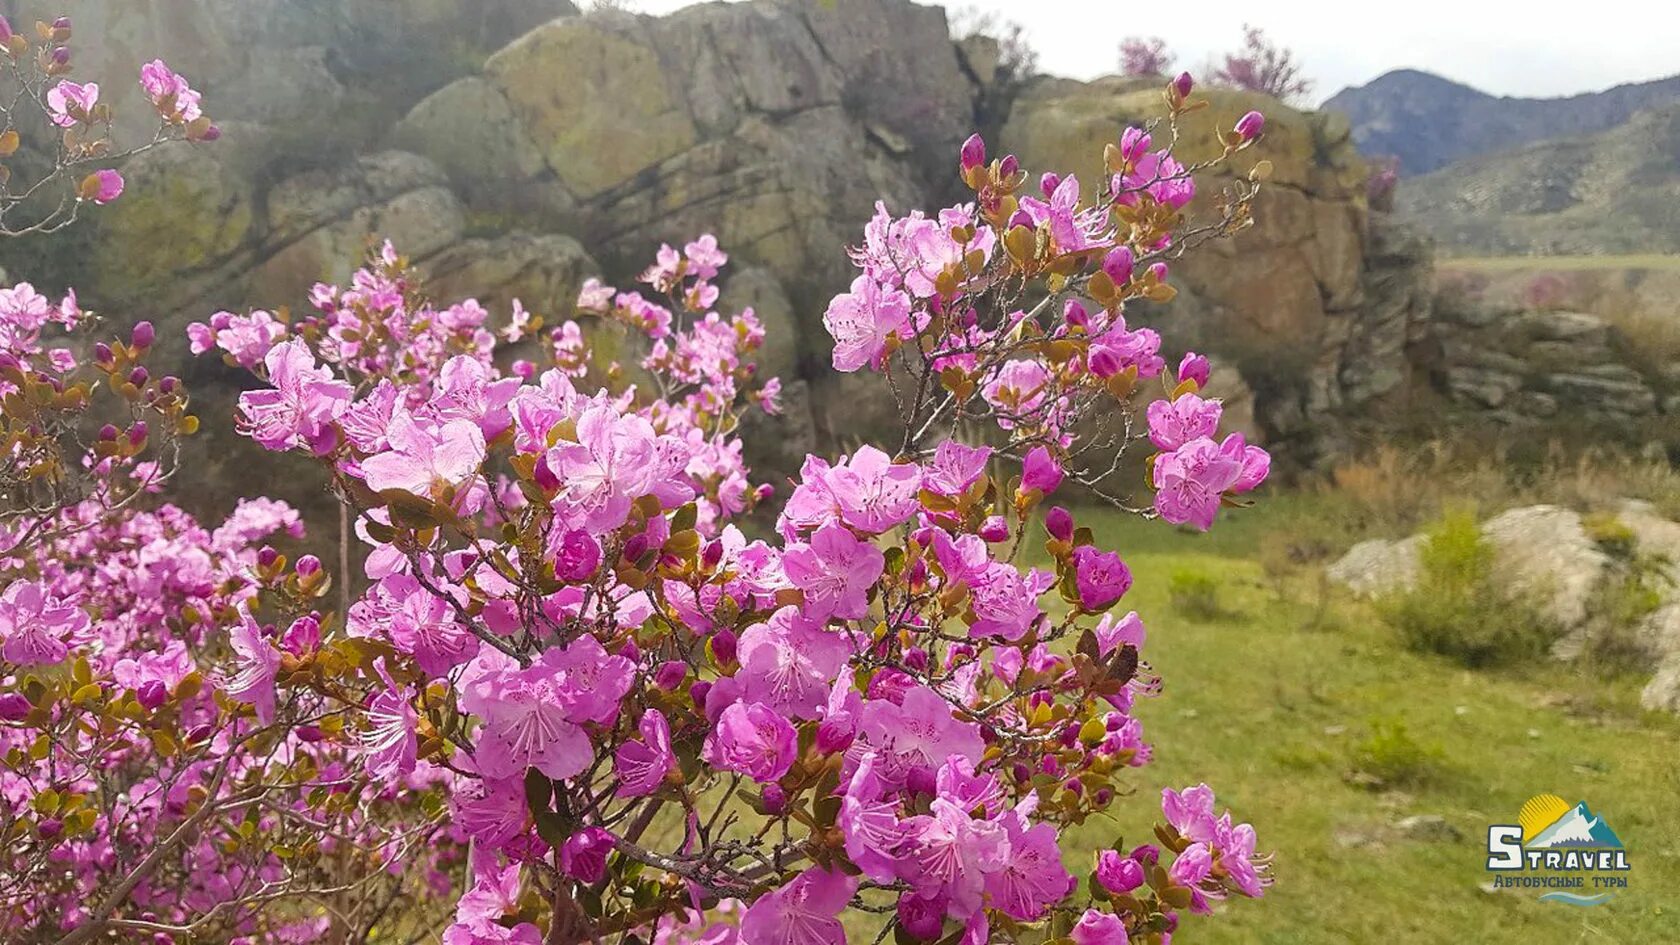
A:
(1576, 828)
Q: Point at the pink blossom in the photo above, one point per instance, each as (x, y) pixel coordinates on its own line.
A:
(584, 854)
(35, 624)
(835, 570)
(1101, 578)
(873, 492)
(949, 853)
(804, 912)
(1117, 872)
(789, 662)
(1071, 230)
(869, 824)
(753, 739)
(1173, 423)
(642, 765)
(861, 322)
(955, 467)
(110, 186)
(1033, 878)
(1194, 367)
(258, 663)
(1191, 480)
(302, 405)
(1040, 471)
(70, 102)
(174, 99)
(1112, 633)
(389, 740)
(525, 723)
(590, 683)
(1099, 928)
(423, 461)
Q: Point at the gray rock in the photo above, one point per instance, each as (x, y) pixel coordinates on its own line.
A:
(1544, 551)
(1376, 567)
(542, 271)
(1576, 327)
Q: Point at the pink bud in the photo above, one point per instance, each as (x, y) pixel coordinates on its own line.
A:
(143, 335)
(139, 376)
(1183, 84)
(699, 691)
(137, 433)
(916, 658)
(1009, 167)
(775, 799)
(973, 152)
(670, 675)
(835, 735)
(108, 433)
(5, 30)
(110, 186)
(62, 23)
(1049, 182)
(1148, 854)
(723, 646)
(103, 355)
(1118, 873)
(1118, 265)
(308, 565)
(713, 554)
(13, 707)
(309, 733)
(168, 384)
(1020, 218)
(211, 133)
(995, 528)
(1159, 271)
(51, 828)
(1059, 523)
(1134, 143)
(1075, 315)
(1194, 367)
(267, 556)
(1250, 125)
(60, 55)
(152, 693)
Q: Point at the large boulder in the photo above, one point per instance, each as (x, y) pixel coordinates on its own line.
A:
(543, 271)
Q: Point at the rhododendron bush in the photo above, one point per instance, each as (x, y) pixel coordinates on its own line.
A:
(585, 690)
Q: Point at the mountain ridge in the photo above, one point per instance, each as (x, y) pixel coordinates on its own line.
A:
(1428, 121)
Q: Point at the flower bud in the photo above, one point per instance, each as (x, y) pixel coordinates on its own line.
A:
(973, 152)
(1250, 125)
(137, 433)
(13, 707)
(699, 690)
(139, 376)
(169, 384)
(1159, 271)
(1118, 265)
(916, 658)
(1074, 786)
(1194, 367)
(713, 555)
(1075, 315)
(1183, 84)
(62, 23)
(50, 829)
(995, 528)
(1059, 523)
(584, 854)
(199, 734)
(221, 321)
(670, 675)
(108, 433)
(835, 735)
(775, 799)
(211, 133)
(143, 335)
(1118, 873)
(579, 555)
(1134, 144)
(1148, 854)
(102, 354)
(1020, 772)
(921, 917)
(308, 566)
(267, 556)
(723, 646)
(635, 547)
(1049, 182)
(1009, 167)
(152, 693)
(1020, 218)
(309, 733)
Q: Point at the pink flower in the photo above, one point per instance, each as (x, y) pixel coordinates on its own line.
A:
(424, 627)
(1033, 878)
(949, 853)
(1099, 928)
(389, 741)
(789, 663)
(642, 765)
(110, 186)
(584, 854)
(1040, 471)
(1191, 480)
(591, 683)
(525, 723)
(753, 739)
(174, 99)
(34, 623)
(1101, 578)
(1112, 633)
(1250, 125)
(1173, 423)
(973, 152)
(424, 461)
(862, 320)
(1118, 873)
(955, 467)
(918, 732)
(301, 407)
(1192, 866)
(804, 912)
(70, 102)
(869, 824)
(258, 663)
(875, 493)
(615, 461)
(1071, 230)
(836, 571)
(704, 257)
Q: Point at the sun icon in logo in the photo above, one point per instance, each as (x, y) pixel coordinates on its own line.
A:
(1540, 812)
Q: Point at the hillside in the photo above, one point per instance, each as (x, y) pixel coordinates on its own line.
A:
(1428, 121)
(1617, 191)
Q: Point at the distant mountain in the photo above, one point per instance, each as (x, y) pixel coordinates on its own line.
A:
(1614, 192)
(1428, 122)
(1578, 828)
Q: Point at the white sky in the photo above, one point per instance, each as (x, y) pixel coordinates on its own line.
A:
(1525, 48)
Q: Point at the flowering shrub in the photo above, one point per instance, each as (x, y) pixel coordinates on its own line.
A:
(1145, 55)
(577, 695)
(1262, 66)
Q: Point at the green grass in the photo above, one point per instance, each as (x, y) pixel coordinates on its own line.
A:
(1274, 705)
(1562, 263)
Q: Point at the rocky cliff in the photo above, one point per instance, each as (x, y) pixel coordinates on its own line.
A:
(1428, 121)
(776, 124)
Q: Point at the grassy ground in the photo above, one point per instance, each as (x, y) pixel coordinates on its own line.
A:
(1271, 702)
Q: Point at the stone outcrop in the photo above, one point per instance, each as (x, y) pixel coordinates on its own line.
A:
(1545, 554)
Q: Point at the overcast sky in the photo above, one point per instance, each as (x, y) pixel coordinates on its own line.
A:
(1506, 47)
